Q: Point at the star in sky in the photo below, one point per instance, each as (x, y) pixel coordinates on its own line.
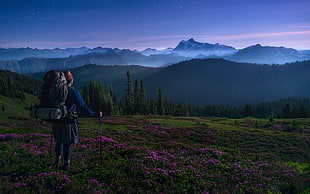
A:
(140, 24)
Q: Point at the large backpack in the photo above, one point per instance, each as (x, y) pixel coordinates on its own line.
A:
(54, 92)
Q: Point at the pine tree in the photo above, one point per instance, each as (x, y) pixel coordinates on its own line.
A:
(286, 112)
(248, 111)
(98, 96)
(153, 107)
(302, 112)
(137, 105)
(11, 88)
(129, 96)
(142, 97)
(116, 110)
(91, 95)
(85, 94)
(111, 91)
(299, 112)
(271, 119)
(160, 105)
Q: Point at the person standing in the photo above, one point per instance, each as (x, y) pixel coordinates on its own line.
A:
(66, 131)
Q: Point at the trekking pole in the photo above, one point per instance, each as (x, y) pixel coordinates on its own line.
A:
(50, 151)
(100, 137)
(51, 141)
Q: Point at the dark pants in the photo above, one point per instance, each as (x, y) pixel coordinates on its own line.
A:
(65, 149)
(65, 135)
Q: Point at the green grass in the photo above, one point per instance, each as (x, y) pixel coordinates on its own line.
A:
(300, 167)
(174, 122)
(154, 154)
(16, 107)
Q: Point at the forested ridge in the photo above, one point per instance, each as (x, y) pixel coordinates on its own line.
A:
(14, 85)
(206, 81)
(128, 90)
(137, 102)
(218, 81)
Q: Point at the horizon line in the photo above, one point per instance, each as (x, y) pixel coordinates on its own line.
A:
(41, 45)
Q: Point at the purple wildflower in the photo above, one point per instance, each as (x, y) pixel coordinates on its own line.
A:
(107, 139)
(95, 181)
(16, 185)
(83, 146)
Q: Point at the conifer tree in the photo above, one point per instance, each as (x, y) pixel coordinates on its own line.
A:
(286, 113)
(137, 104)
(85, 94)
(98, 96)
(248, 111)
(160, 105)
(4, 90)
(11, 88)
(101, 99)
(111, 91)
(91, 95)
(153, 107)
(129, 96)
(116, 109)
(302, 112)
(142, 97)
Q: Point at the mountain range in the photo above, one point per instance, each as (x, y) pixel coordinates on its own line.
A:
(28, 60)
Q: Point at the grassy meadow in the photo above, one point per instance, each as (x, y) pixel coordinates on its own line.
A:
(156, 154)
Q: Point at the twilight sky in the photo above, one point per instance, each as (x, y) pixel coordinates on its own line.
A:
(140, 24)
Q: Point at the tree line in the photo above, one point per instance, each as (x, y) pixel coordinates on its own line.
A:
(15, 85)
(100, 98)
(135, 102)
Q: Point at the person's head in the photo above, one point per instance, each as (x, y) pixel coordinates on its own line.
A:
(69, 77)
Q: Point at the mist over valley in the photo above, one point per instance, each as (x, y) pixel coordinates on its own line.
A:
(28, 60)
(192, 73)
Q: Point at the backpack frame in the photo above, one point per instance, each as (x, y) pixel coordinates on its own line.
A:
(53, 94)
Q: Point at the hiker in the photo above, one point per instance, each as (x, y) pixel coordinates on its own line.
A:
(66, 131)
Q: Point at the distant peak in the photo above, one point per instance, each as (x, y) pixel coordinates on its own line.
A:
(191, 40)
(254, 46)
(150, 49)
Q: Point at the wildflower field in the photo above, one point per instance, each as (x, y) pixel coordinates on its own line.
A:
(160, 154)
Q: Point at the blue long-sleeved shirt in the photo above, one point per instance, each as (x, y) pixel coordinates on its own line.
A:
(75, 102)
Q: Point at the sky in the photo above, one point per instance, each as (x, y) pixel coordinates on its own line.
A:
(141, 24)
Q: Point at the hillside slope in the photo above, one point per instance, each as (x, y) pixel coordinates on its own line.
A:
(217, 81)
(114, 76)
(13, 107)
(206, 81)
